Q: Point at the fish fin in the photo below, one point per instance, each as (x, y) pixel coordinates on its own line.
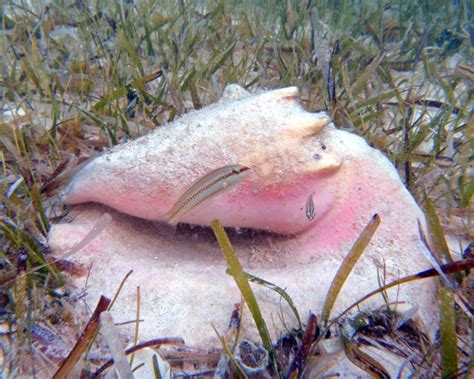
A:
(170, 217)
(166, 228)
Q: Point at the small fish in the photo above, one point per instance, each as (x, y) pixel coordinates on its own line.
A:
(132, 98)
(310, 208)
(205, 188)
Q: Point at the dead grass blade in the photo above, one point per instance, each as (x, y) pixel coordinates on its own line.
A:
(122, 283)
(231, 339)
(87, 335)
(137, 323)
(459, 266)
(347, 265)
(299, 362)
(433, 259)
(364, 361)
(112, 337)
(151, 343)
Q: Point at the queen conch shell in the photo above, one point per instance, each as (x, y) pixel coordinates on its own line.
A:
(145, 177)
(292, 154)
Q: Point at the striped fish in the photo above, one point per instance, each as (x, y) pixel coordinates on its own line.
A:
(310, 208)
(205, 188)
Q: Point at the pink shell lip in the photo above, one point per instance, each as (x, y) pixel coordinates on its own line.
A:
(287, 93)
(290, 97)
(278, 152)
